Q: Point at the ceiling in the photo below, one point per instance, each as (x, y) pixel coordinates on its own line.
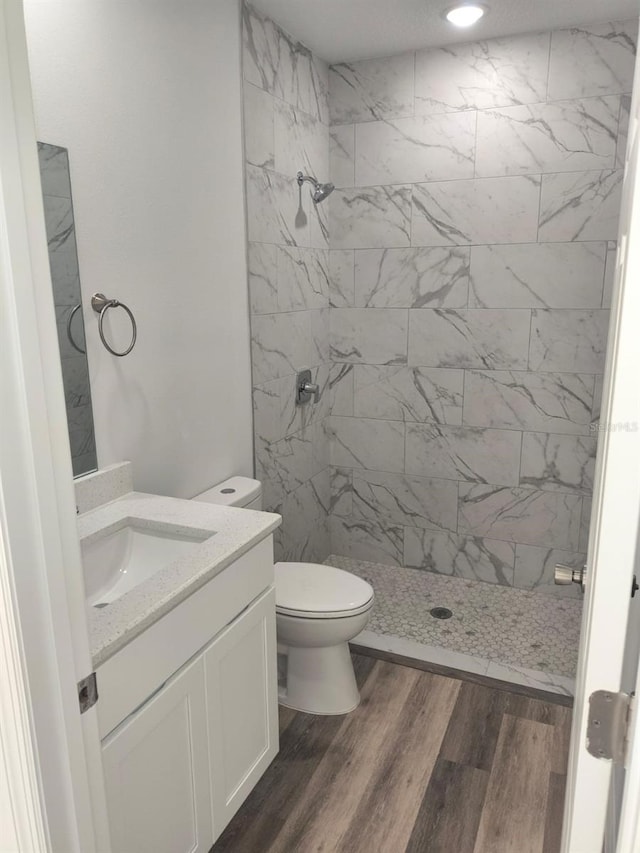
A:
(347, 30)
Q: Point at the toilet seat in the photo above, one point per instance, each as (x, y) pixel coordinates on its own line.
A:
(312, 591)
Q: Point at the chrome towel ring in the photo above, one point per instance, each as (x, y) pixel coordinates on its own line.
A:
(101, 304)
(72, 314)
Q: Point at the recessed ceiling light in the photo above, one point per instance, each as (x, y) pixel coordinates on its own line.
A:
(465, 16)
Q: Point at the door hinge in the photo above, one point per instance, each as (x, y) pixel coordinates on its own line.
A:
(608, 725)
(87, 692)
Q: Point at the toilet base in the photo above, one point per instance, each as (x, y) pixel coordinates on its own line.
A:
(319, 680)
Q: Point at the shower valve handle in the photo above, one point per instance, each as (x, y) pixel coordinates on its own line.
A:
(311, 388)
(570, 574)
(306, 389)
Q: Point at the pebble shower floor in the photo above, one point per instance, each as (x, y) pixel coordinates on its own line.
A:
(504, 632)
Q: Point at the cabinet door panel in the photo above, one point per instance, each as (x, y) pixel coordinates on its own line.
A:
(157, 775)
(242, 706)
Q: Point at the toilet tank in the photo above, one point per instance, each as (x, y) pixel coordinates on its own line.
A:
(236, 491)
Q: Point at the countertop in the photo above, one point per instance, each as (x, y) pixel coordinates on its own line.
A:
(236, 531)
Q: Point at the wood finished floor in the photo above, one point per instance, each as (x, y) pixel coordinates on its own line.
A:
(425, 763)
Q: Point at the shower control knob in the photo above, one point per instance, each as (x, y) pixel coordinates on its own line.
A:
(570, 574)
(311, 388)
(306, 389)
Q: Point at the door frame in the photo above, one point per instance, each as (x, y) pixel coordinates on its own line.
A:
(613, 528)
(50, 770)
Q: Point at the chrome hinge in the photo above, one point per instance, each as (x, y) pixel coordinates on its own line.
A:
(87, 692)
(608, 724)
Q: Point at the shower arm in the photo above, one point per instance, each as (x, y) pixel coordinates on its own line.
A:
(302, 178)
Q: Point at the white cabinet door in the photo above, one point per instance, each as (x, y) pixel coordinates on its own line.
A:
(242, 706)
(157, 772)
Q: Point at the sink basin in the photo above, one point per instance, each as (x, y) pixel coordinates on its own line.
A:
(123, 555)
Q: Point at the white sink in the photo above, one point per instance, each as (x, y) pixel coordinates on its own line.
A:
(123, 555)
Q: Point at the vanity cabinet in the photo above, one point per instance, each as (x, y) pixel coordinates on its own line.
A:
(179, 766)
(157, 774)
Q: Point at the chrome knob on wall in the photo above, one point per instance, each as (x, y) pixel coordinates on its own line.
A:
(306, 389)
(570, 574)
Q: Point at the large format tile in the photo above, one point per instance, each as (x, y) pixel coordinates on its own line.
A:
(301, 143)
(341, 483)
(580, 206)
(422, 394)
(535, 566)
(371, 89)
(277, 212)
(280, 344)
(545, 402)
(305, 525)
(366, 540)
(303, 278)
(342, 143)
(341, 389)
(366, 443)
(259, 139)
(469, 338)
(283, 465)
(411, 150)
(609, 273)
(526, 516)
(369, 335)
(537, 275)
(561, 137)
(462, 556)
(370, 217)
(398, 499)
(585, 524)
(604, 55)
(341, 278)
(262, 260)
(572, 341)
(483, 210)
(482, 74)
(463, 453)
(275, 414)
(285, 68)
(623, 131)
(558, 463)
(412, 278)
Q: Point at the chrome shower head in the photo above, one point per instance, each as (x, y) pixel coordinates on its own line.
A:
(320, 191)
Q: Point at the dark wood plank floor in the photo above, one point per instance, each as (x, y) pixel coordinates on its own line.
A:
(426, 764)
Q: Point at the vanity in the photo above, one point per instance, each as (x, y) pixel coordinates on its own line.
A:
(184, 653)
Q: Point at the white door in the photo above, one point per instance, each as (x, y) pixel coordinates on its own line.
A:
(242, 706)
(157, 773)
(610, 642)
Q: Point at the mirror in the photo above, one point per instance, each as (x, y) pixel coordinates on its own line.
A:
(65, 277)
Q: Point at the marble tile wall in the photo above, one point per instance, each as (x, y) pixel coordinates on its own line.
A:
(286, 118)
(472, 242)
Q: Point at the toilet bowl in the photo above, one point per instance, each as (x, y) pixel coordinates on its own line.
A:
(318, 610)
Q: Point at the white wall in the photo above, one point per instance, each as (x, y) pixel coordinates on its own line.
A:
(146, 95)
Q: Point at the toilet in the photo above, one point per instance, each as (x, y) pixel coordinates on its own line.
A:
(318, 610)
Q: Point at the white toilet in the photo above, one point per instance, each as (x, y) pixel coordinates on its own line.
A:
(318, 610)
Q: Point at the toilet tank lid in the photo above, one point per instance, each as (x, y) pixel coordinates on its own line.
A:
(317, 588)
(236, 491)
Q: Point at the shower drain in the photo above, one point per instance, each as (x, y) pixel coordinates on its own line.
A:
(441, 613)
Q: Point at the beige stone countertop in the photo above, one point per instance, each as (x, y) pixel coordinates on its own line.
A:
(232, 532)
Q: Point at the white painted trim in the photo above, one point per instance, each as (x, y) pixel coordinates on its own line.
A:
(41, 559)
(22, 821)
(614, 524)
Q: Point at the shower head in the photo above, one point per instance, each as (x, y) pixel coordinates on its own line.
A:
(320, 191)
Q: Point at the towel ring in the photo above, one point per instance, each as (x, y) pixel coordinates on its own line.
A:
(101, 304)
(69, 334)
